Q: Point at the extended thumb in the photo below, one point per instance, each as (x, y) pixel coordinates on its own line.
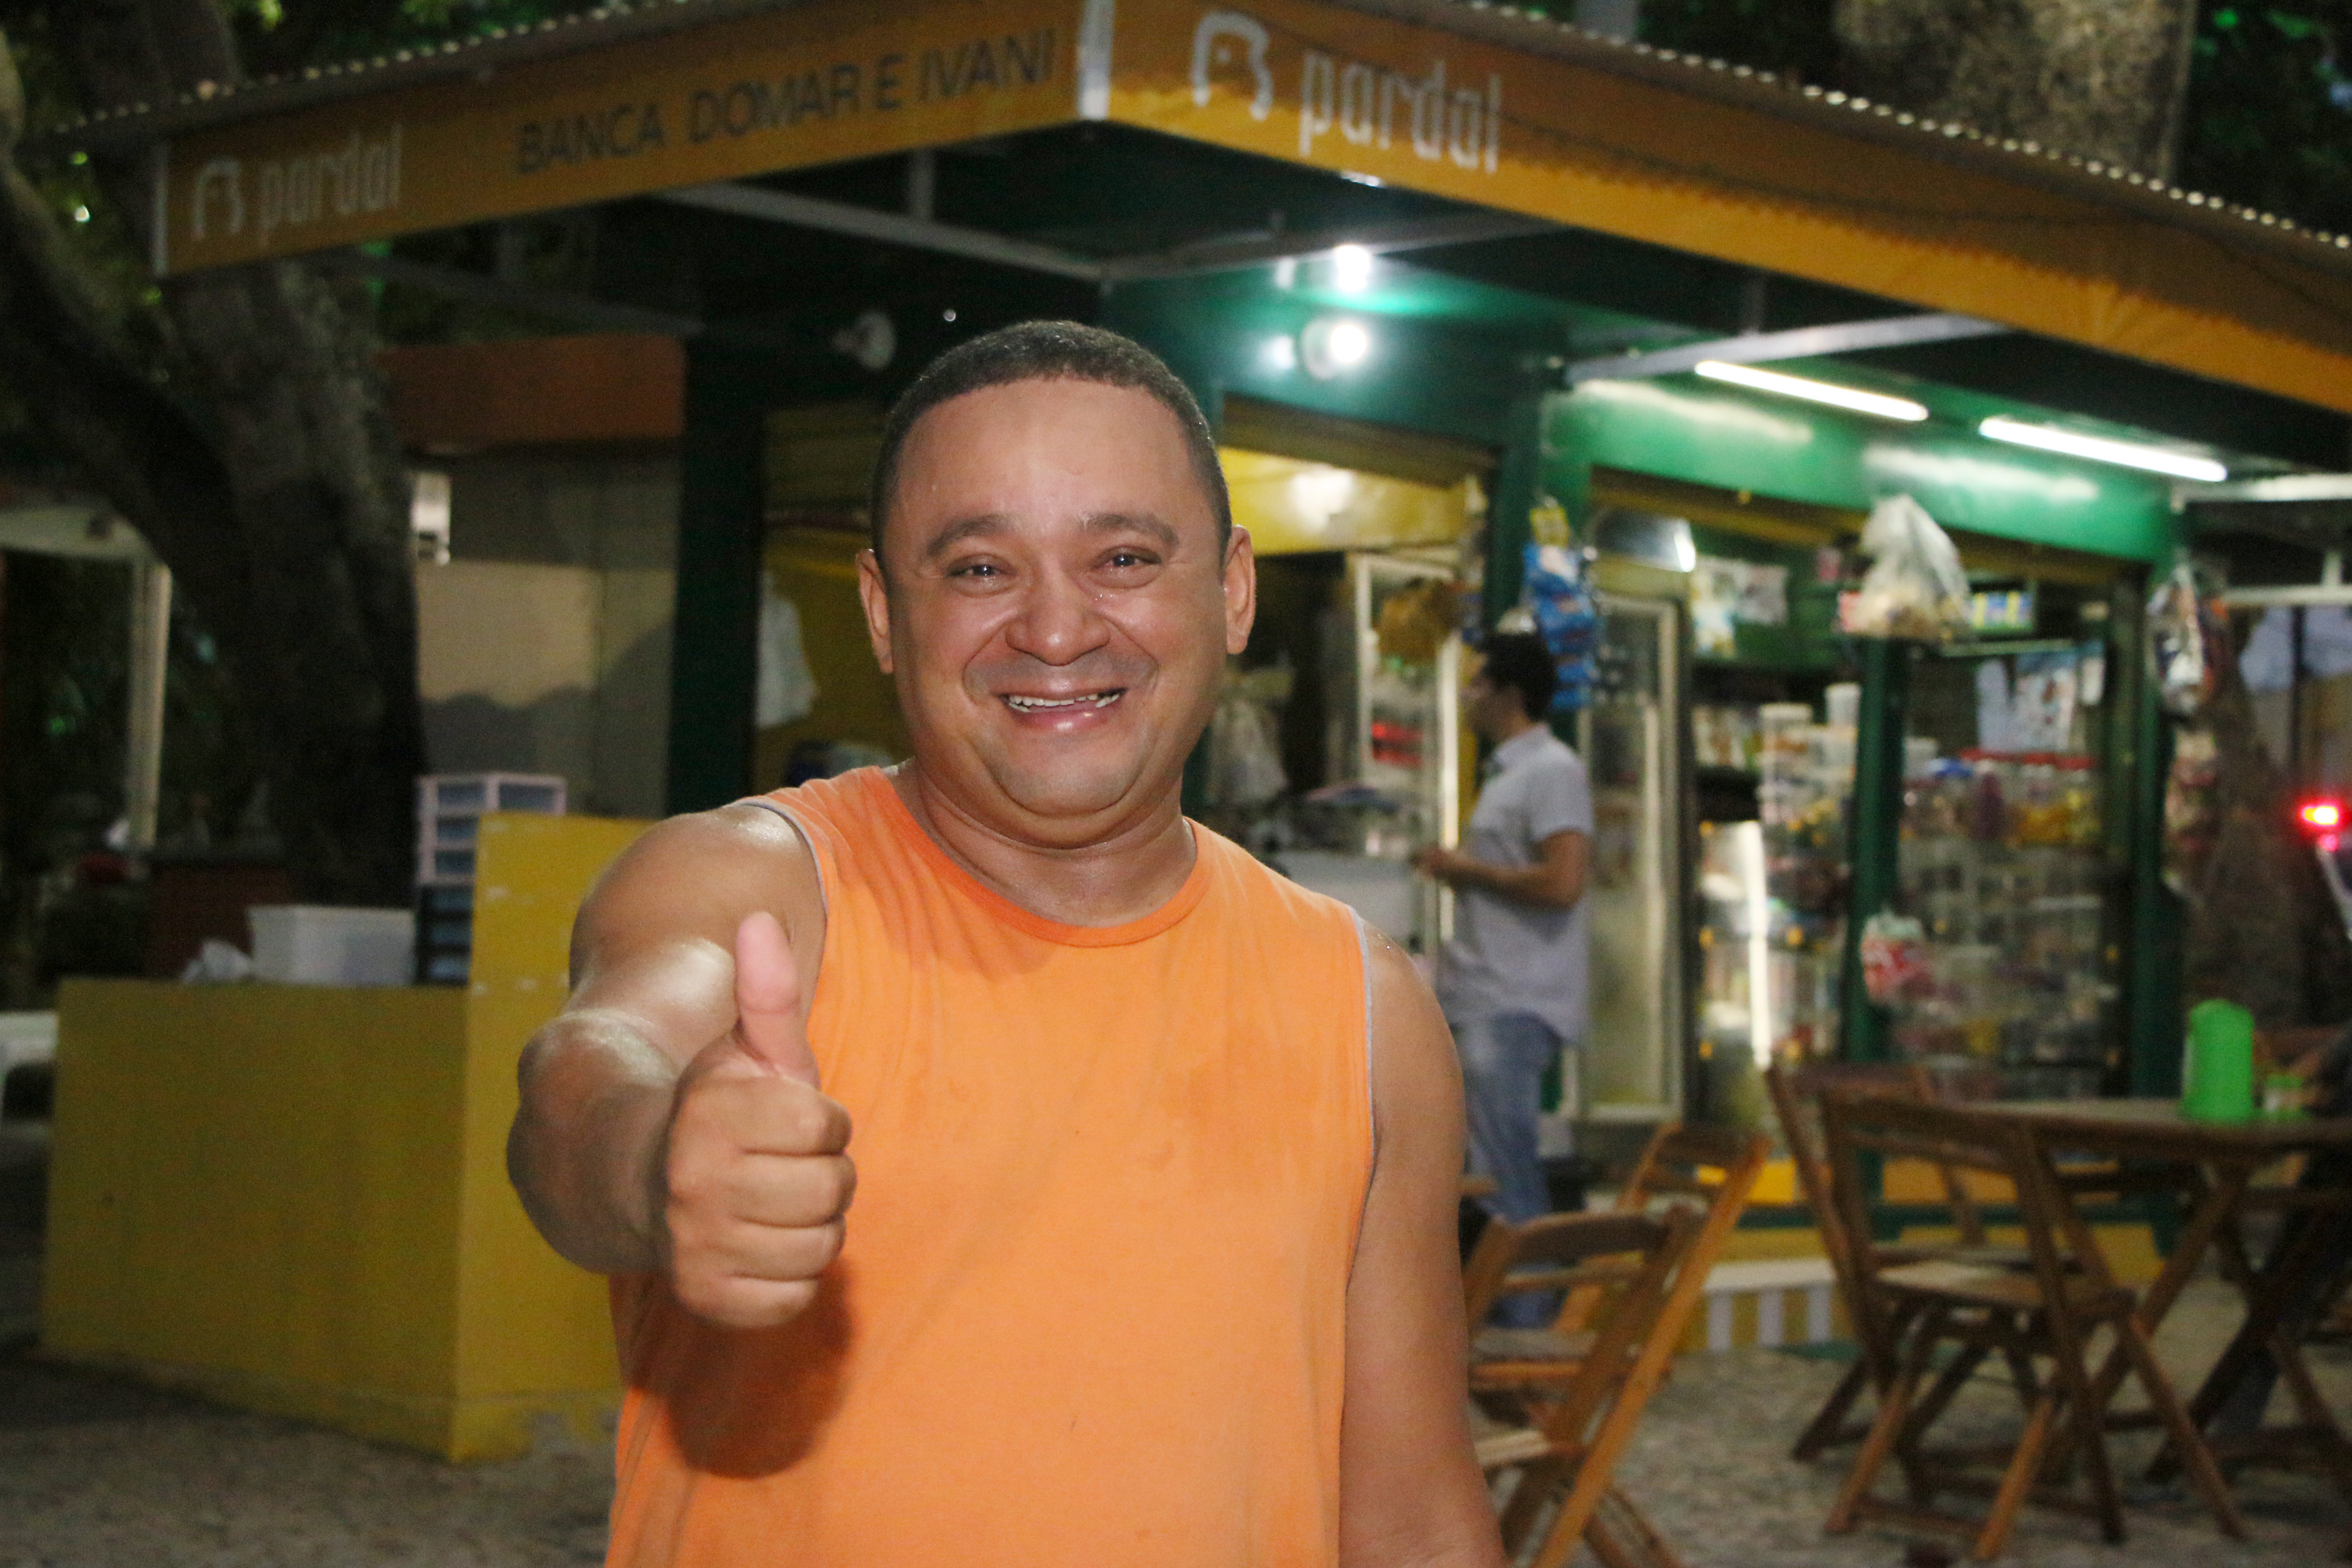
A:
(768, 998)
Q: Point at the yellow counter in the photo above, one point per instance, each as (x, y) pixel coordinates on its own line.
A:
(294, 1198)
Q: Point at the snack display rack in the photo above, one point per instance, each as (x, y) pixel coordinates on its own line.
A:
(2001, 866)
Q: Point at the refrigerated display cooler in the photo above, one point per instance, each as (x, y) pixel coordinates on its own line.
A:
(1395, 752)
(1628, 734)
(1772, 931)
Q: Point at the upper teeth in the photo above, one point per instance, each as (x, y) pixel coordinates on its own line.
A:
(1099, 699)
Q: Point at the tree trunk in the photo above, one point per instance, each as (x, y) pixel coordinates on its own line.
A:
(2104, 79)
(2263, 930)
(263, 470)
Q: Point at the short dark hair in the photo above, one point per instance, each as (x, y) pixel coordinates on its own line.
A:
(1047, 351)
(1519, 662)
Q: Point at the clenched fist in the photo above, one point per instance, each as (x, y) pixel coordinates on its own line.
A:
(755, 1179)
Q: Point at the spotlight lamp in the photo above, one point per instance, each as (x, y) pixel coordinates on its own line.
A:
(1351, 268)
(1332, 345)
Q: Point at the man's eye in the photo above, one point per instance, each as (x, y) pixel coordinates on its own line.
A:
(1128, 559)
(978, 568)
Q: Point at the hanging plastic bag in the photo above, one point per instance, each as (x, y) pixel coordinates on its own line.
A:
(1914, 588)
(1245, 753)
(2181, 642)
(1565, 619)
(1896, 965)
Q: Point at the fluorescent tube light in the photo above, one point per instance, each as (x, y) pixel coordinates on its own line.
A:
(2130, 455)
(1852, 398)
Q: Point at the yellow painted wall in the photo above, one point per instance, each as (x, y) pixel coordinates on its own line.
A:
(294, 1197)
(254, 1193)
(533, 1332)
(1290, 505)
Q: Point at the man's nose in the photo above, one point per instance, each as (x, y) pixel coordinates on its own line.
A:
(1057, 621)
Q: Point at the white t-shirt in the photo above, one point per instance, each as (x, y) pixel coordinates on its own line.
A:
(1507, 956)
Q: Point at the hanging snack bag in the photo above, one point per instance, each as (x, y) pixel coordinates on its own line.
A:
(1894, 962)
(1914, 588)
(1566, 619)
(2181, 638)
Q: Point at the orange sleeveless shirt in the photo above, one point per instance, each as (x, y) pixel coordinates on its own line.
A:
(1091, 1309)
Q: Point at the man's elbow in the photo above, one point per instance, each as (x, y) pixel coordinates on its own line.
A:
(1565, 893)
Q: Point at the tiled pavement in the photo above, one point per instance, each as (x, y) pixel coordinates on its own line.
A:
(1710, 1466)
(99, 1474)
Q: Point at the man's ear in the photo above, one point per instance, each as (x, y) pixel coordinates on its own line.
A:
(1240, 589)
(874, 594)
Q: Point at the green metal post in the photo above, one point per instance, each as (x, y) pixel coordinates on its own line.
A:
(1876, 833)
(1519, 482)
(2152, 982)
(721, 521)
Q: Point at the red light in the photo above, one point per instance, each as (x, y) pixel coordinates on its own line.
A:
(2328, 842)
(2322, 816)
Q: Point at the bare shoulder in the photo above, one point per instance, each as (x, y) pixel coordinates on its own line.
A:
(1415, 1079)
(694, 877)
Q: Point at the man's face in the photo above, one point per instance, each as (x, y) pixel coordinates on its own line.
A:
(1491, 709)
(1056, 610)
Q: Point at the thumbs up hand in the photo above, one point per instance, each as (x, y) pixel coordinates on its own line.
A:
(756, 1182)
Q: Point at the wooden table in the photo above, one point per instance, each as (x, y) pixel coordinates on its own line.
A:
(2216, 1162)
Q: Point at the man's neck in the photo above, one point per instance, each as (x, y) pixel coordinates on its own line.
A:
(1510, 730)
(1123, 876)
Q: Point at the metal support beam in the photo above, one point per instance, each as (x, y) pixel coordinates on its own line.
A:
(891, 228)
(1382, 240)
(1222, 255)
(480, 289)
(86, 531)
(916, 230)
(1800, 343)
(2331, 588)
(151, 646)
(2280, 487)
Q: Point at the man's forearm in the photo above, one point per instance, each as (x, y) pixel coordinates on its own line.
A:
(1537, 884)
(587, 1149)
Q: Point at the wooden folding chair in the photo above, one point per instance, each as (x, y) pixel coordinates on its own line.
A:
(1707, 1170)
(1797, 1091)
(1909, 1311)
(1566, 1457)
(1689, 1164)
(1549, 1254)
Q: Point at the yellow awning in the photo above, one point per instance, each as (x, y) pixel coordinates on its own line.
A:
(1473, 103)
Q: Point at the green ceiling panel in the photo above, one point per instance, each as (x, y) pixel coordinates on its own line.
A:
(1682, 428)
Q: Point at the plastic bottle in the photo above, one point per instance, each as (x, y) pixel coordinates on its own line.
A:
(2217, 1072)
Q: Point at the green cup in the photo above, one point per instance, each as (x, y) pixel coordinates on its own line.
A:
(2217, 1078)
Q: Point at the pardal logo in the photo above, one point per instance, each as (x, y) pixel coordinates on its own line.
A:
(225, 178)
(361, 175)
(1214, 43)
(1368, 105)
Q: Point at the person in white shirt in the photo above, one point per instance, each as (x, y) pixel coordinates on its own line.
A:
(1512, 979)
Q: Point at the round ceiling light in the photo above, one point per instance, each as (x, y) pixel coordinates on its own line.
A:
(1331, 345)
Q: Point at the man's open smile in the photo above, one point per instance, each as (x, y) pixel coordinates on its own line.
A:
(1086, 701)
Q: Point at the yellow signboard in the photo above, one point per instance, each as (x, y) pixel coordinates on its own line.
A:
(1290, 505)
(785, 89)
(1513, 123)
(1396, 102)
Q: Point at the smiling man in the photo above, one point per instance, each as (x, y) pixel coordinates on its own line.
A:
(1147, 1253)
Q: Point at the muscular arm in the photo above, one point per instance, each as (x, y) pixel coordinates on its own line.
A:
(654, 1001)
(1555, 882)
(1410, 1491)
